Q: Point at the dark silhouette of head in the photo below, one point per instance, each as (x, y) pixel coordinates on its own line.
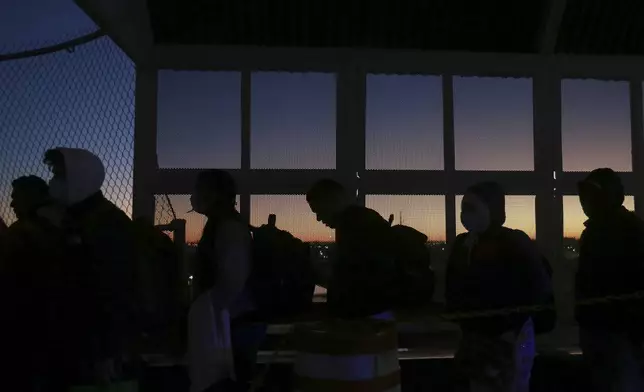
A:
(214, 193)
(28, 194)
(327, 199)
(483, 207)
(601, 193)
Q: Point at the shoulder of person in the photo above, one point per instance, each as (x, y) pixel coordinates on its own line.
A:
(459, 241)
(461, 238)
(520, 242)
(361, 218)
(516, 235)
(105, 216)
(633, 221)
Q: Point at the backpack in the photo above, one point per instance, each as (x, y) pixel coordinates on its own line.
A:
(158, 297)
(546, 320)
(282, 280)
(413, 262)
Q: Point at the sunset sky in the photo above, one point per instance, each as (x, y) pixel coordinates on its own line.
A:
(293, 127)
(85, 99)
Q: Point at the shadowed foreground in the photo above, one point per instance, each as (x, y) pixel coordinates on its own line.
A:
(552, 373)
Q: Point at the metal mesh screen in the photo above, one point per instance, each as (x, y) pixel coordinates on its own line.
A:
(164, 212)
(80, 95)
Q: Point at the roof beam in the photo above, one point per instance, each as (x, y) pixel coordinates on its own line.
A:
(551, 25)
(222, 58)
(127, 22)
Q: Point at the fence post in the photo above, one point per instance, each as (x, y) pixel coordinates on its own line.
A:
(548, 164)
(449, 156)
(145, 143)
(350, 127)
(243, 186)
(637, 144)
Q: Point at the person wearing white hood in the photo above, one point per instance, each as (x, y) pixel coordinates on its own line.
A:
(99, 322)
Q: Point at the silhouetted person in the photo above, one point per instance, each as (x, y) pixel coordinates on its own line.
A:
(494, 267)
(31, 254)
(611, 262)
(29, 193)
(99, 326)
(363, 273)
(222, 299)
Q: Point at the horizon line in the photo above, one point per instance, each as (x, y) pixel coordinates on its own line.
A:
(443, 241)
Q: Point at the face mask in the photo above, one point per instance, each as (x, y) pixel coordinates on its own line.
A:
(476, 221)
(58, 190)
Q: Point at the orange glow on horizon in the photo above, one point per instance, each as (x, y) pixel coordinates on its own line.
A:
(574, 218)
(424, 213)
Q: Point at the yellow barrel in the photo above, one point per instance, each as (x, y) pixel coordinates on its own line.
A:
(347, 356)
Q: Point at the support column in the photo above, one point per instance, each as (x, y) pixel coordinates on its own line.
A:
(244, 194)
(549, 202)
(637, 144)
(145, 163)
(350, 127)
(449, 156)
(548, 162)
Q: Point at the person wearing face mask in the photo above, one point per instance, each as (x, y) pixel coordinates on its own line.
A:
(363, 271)
(98, 324)
(494, 267)
(223, 341)
(611, 262)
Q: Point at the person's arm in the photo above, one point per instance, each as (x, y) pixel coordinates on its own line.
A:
(233, 247)
(535, 283)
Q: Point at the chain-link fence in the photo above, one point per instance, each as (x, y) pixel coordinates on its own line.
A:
(164, 212)
(75, 94)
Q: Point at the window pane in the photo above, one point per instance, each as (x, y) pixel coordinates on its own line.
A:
(425, 214)
(199, 119)
(595, 128)
(404, 123)
(574, 218)
(519, 212)
(493, 127)
(293, 120)
(293, 215)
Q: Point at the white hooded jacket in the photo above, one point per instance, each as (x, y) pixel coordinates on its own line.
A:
(84, 177)
(111, 249)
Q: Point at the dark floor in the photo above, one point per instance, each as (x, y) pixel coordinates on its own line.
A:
(552, 373)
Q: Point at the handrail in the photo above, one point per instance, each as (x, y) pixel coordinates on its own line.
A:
(67, 45)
